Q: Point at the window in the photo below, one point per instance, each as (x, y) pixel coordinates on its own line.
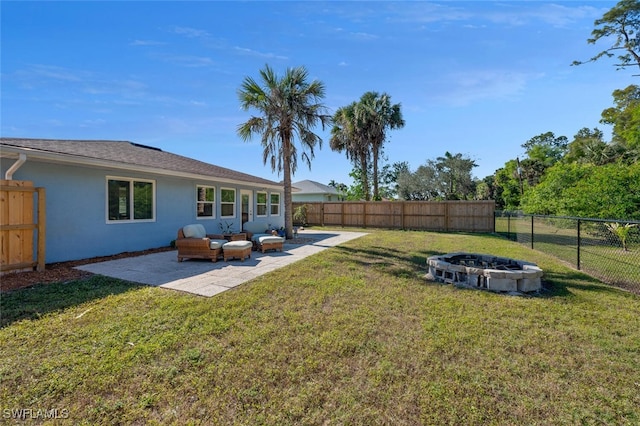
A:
(205, 201)
(130, 199)
(261, 203)
(275, 204)
(227, 202)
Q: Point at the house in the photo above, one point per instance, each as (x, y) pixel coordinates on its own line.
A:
(308, 190)
(109, 197)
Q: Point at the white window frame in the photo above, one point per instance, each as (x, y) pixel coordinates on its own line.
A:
(213, 203)
(272, 205)
(259, 204)
(131, 199)
(234, 203)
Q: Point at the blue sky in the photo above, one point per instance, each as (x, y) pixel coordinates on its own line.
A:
(477, 77)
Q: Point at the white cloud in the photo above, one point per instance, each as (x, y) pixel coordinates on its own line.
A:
(93, 123)
(146, 43)
(363, 36)
(53, 72)
(251, 52)
(508, 13)
(191, 32)
(190, 61)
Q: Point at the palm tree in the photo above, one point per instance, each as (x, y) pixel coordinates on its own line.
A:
(348, 135)
(289, 107)
(360, 129)
(379, 116)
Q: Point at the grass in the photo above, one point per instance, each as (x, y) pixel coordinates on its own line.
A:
(601, 254)
(353, 335)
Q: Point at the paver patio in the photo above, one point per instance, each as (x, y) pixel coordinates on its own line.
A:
(206, 278)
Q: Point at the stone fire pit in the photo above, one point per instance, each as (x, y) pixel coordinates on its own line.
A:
(485, 272)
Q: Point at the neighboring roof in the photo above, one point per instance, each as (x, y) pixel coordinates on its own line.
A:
(122, 155)
(313, 187)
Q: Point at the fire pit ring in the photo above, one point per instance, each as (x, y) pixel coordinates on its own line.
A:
(485, 271)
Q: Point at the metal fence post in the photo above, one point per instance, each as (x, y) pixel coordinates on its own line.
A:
(606, 256)
(531, 231)
(578, 265)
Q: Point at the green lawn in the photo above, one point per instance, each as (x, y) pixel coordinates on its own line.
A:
(601, 253)
(353, 335)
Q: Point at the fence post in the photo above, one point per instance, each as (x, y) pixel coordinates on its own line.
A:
(446, 216)
(578, 265)
(364, 214)
(532, 231)
(42, 229)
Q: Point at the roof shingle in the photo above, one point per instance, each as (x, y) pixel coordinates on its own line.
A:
(133, 154)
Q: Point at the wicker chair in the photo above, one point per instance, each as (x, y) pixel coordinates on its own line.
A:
(193, 242)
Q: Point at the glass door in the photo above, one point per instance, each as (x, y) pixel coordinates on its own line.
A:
(246, 197)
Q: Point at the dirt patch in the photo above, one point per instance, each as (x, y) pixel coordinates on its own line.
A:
(63, 271)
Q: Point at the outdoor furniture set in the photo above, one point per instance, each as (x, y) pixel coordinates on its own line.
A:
(194, 242)
(262, 238)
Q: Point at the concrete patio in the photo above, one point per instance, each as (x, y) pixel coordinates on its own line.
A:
(207, 278)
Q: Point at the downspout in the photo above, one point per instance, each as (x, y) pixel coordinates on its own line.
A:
(22, 158)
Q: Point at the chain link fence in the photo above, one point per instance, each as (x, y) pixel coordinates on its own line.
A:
(606, 249)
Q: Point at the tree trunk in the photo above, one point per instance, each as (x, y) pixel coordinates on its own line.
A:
(288, 214)
(365, 179)
(376, 195)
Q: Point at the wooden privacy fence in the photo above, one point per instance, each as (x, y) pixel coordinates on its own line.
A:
(17, 226)
(471, 216)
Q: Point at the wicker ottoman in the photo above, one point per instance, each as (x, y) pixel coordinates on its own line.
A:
(270, 243)
(239, 249)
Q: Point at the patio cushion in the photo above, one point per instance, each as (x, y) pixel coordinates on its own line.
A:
(256, 237)
(254, 227)
(235, 245)
(266, 239)
(216, 244)
(195, 230)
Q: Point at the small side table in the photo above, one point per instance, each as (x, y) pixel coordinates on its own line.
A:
(240, 236)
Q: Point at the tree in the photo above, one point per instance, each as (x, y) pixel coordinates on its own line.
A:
(543, 151)
(546, 148)
(340, 187)
(377, 116)
(360, 130)
(611, 191)
(621, 23)
(289, 108)
(454, 172)
(389, 178)
(588, 146)
(420, 185)
(625, 117)
(547, 197)
(621, 231)
(486, 189)
(348, 135)
(357, 191)
(508, 186)
(446, 178)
